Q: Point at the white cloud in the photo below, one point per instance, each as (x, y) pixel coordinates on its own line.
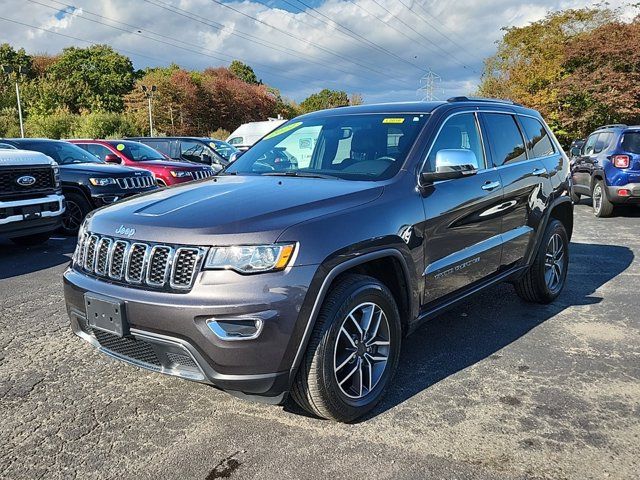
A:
(392, 48)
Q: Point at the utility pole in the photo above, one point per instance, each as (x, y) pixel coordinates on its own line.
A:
(7, 70)
(148, 92)
(428, 86)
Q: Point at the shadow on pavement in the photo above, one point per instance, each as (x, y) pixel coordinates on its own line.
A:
(488, 322)
(16, 260)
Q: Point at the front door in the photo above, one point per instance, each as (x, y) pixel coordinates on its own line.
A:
(462, 227)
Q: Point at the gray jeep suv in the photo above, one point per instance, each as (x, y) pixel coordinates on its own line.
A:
(279, 277)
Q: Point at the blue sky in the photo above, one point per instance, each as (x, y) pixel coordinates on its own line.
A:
(378, 48)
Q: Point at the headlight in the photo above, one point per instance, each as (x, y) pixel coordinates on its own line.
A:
(102, 182)
(82, 232)
(250, 258)
(56, 175)
(180, 173)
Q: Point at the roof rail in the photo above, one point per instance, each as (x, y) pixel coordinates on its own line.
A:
(613, 125)
(462, 98)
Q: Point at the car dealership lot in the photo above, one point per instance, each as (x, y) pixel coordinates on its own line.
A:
(492, 389)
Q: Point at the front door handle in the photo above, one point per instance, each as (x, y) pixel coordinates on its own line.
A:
(539, 171)
(490, 186)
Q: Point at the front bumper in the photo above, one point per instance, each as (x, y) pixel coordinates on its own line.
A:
(15, 222)
(169, 332)
(633, 197)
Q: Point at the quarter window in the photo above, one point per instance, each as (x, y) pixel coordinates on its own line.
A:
(507, 144)
(458, 132)
(540, 144)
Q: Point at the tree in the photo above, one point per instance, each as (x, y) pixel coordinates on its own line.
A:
(100, 76)
(602, 81)
(14, 59)
(244, 72)
(529, 60)
(324, 99)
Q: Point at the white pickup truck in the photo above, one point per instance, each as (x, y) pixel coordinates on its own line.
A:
(31, 201)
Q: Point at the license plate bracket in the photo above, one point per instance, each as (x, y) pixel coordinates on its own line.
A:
(106, 313)
(30, 212)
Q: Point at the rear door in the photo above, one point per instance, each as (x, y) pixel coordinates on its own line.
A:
(462, 229)
(522, 174)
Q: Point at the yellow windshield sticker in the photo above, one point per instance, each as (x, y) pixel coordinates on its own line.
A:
(120, 147)
(282, 130)
(393, 120)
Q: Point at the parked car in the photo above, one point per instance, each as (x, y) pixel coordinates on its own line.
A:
(136, 154)
(607, 168)
(31, 201)
(247, 134)
(87, 181)
(312, 276)
(189, 149)
(576, 147)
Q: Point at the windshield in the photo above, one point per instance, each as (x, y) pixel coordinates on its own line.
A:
(138, 152)
(351, 147)
(223, 148)
(62, 153)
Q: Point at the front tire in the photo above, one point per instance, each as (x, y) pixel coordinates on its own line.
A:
(547, 275)
(602, 206)
(353, 351)
(76, 208)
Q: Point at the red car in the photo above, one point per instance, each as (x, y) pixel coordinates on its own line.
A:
(135, 154)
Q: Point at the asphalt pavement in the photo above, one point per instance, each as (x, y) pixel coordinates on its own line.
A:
(494, 389)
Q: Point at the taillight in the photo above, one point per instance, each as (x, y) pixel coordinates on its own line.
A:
(621, 161)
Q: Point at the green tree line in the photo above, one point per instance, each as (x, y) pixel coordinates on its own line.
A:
(96, 92)
(579, 67)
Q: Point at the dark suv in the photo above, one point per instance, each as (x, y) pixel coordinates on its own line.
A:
(607, 168)
(309, 281)
(87, 181)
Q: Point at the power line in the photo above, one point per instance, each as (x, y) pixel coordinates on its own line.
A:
(420, 34)
(139, 33)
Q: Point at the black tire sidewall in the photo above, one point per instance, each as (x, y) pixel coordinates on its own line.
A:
(82, 203)
(554, 227)
(361, 293)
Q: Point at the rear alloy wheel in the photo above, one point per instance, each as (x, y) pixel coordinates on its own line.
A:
(602, 207)
(353, 351)
(546, 276)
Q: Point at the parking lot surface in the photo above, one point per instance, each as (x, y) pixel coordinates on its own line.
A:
(494, 389)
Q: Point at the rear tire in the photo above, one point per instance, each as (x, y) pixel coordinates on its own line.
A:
(31, 240)
(546, 276)
(602, 206)
(357, 328)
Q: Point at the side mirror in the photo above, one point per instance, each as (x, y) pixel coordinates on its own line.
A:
(575, 151)
(452, 163)
(112, 158)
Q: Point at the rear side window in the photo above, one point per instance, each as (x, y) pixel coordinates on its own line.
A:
(235, 141)
(162, 146)
(507, 144)
(631, 142)
(539, 142)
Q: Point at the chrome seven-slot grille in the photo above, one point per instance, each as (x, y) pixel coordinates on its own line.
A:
(199, 174)
(136, 182)
(139, 263)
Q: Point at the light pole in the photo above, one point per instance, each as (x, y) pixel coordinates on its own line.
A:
(148, 92)
(7, 69)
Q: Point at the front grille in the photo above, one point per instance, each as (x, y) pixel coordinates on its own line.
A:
(138, 263)
(44, 180)
(128, 347)
(200, 174)
(127, 183)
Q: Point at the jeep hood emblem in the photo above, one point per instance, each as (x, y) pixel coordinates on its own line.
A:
(26, 180)
(125, 231)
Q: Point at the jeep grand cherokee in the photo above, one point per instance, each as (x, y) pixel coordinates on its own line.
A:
(316, 269)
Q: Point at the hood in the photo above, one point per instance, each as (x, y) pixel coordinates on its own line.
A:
(103, 169)
(171, 164)
(229, 209)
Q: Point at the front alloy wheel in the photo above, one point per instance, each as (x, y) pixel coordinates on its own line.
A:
(73, 216)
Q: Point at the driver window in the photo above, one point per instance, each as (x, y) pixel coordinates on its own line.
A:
(458, 132)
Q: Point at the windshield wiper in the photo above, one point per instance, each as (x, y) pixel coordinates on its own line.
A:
(297, 173)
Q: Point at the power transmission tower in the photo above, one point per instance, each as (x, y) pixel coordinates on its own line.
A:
(428, 83)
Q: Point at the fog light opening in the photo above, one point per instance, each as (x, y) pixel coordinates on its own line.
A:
(236, 329)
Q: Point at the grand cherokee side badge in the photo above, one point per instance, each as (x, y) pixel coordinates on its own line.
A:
(125, 231)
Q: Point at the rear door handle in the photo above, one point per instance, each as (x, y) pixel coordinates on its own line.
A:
(539, 171)
(490, 185)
